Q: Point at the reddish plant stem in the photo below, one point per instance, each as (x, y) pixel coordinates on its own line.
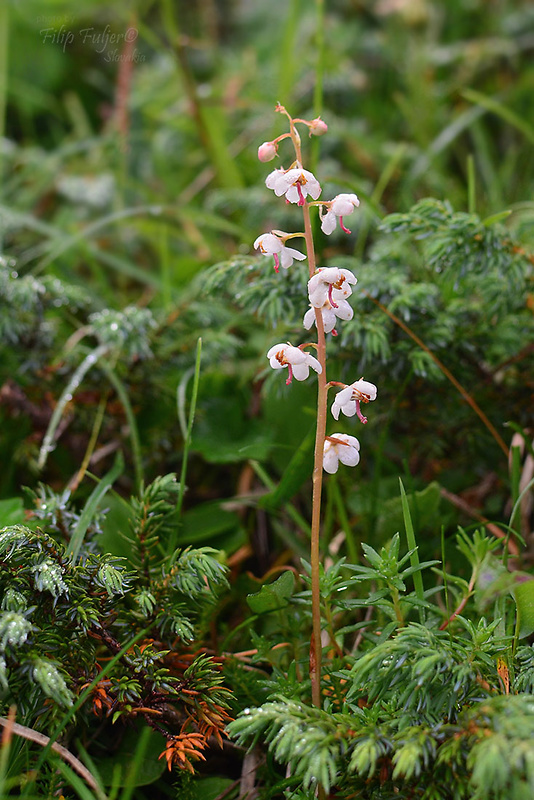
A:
(317, 480)
(315, 663)
(461, 605)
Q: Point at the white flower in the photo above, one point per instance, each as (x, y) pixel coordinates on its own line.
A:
(330, 314)
(271, 245)
(340, 206)
(340, 447)
(296, 360)
(326, 281)
(295, 184)
(348, 399)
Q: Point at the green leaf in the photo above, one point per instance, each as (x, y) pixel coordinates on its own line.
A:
(524, 597)
(297, 471)
(148, 767)
(423, 507)
(208, 521)
(223, 434)
(273, 596)
(11, 511)
(209, 788)
(496, 218)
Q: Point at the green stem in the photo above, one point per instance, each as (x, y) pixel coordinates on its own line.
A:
(412, 545)
(471, 185)
(396, 605)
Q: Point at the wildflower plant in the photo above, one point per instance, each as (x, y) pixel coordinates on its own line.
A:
(328, 291)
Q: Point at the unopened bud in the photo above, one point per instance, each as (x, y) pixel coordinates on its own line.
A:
(318, 127)
(267, 151)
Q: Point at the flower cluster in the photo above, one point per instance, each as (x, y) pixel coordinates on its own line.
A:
(329, 288)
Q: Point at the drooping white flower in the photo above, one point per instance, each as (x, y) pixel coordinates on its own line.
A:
(296, 360)
(348, 399)
(330, 314)
(330, 284)
(340, 447)
(271, 245)
(340, 206)
(296, 184)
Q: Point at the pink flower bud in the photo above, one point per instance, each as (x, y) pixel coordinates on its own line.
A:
(267, 151)
(318, 127)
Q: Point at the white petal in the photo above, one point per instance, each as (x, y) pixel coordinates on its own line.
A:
(343, 310)
(296, 254)
(341, 294)
(329, 274)
(269, 243)
(345, 437)
(301, 371)
(273, 177)
(348, 455)
(366, 388)
(275, 364)
(344, 204)
(314, 364)
(329, 319)
(349, 276)
(275, 348)
(294, 355)
(328, 225)
(291, 194)
(349, 409)
(288, 254)
(344, 396)
(314, 188)
(335, 409)
(330, 460)
(319, 297)
(309, 319)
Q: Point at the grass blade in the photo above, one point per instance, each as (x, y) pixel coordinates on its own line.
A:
(412, 545)
(73, 547)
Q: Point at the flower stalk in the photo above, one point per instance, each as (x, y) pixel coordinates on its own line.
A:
(317, 480)
(328, 290)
